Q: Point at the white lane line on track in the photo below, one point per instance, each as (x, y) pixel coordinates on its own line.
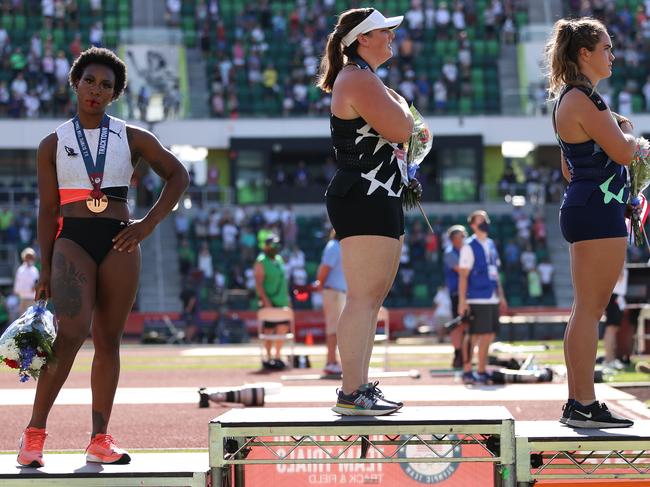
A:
(631, 408)
(254, 350)
(324, 394)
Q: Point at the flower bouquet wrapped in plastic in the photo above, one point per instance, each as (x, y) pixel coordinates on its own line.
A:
(409, 160)
(26, 344)
(640, 180)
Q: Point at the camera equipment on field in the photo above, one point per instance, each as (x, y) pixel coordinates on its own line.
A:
(163, 330)
(514, 372)
(507, 376)
(248, 396)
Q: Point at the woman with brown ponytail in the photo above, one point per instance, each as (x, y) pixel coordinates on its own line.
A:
(596, 146)
(364, 198)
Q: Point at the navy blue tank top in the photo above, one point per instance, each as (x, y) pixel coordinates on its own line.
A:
(590, 167)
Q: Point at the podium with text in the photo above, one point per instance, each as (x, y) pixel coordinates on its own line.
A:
(416, 435)
(550, 450)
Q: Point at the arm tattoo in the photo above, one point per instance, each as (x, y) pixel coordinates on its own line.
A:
(68, 283)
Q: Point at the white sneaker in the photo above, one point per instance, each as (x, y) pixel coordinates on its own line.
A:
(333, 369)
(615, 364)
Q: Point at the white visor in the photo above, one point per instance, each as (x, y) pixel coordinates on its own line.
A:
(374, 21)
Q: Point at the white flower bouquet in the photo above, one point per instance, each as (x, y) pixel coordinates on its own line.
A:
(26, 344)
(417, 149)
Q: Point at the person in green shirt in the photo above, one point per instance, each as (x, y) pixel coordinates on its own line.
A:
(17, 60)
(272, 291)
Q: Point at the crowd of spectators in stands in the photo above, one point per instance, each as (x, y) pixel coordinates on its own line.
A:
(219, 245)
(17, 232)
(243, 52)
(528, 254)
(245, 49)
(629, 87)
(540, 184)
(35, 69)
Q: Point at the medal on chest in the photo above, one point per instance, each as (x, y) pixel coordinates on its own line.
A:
(97, 201)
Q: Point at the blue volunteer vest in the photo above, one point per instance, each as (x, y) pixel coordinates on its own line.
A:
(479, 283)
(451, 276)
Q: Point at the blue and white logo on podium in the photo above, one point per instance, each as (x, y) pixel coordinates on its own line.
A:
(430, 473)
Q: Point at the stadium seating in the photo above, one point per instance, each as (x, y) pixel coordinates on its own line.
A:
(436, 44)
(312, 238)
(23, 20)
(628, 23)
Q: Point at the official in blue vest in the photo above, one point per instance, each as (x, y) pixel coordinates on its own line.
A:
(480, 295)
(456, 234)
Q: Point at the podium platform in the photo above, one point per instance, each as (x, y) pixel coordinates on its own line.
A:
(245, 437)
(550, 450)
(146, 469)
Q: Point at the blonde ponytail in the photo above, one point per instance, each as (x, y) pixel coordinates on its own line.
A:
(563, 48)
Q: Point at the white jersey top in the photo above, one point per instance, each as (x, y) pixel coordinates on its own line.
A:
(25, 280)
(70, 168)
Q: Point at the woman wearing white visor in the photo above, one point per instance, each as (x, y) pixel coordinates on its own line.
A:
(364, 198)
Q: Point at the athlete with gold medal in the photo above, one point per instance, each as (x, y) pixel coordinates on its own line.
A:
(90, 250)
(96, 201)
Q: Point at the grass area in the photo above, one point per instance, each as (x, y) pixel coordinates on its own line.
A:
(631, 376)
(162, 358)
(552, 344)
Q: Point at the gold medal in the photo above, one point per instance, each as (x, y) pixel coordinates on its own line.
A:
(97, 205)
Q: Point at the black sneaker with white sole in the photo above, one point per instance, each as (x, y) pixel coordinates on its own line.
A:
(566, 412)
(596, 415)
(363, 402)
(372, 386)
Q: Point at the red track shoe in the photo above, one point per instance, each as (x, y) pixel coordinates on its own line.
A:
(102, 449)
(30, 451)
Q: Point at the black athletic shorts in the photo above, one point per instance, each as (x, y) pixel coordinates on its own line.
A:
(366, 215)
(484, 318)
(454, 305)
(613, 313)
(269, 325)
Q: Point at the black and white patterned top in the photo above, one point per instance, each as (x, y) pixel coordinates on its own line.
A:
(366, 163)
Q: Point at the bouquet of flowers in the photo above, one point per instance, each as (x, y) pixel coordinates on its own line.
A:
(26, 344)
(409, 159)
(640, 180)
(416, 149)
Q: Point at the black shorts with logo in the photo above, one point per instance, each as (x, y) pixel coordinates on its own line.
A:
(484, 318)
